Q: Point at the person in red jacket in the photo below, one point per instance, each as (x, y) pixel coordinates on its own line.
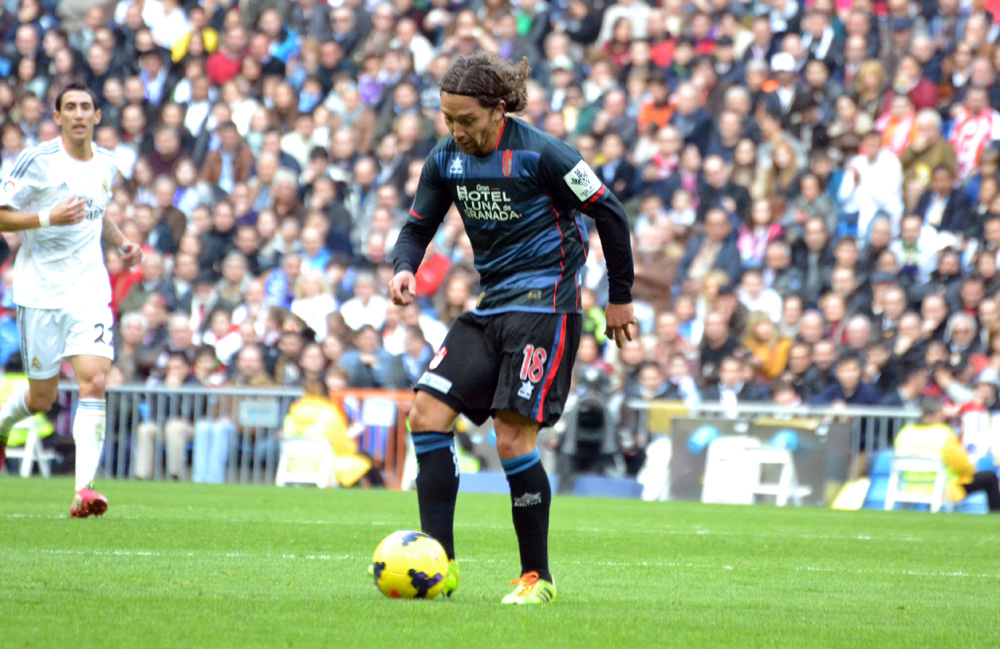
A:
(910, 80)
(225, 63)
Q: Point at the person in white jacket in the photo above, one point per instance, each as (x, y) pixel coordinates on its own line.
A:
(873, 184)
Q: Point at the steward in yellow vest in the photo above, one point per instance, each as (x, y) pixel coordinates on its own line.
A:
(934, 439)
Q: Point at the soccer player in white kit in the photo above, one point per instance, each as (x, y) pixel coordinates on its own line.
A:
(55, 196)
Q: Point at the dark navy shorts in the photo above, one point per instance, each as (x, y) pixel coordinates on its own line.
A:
(516, 361)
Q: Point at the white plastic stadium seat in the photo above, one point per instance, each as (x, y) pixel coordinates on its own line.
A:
(787, 487)
(923, 472)
(306, 461)
(727, 480)
(32, 451)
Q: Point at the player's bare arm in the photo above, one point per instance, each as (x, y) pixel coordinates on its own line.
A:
(112, 236)
(69, 212)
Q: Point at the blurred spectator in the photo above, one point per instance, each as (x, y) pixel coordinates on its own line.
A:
(716, 344)
(766, 347)
(313, 301)
(715, 250)
(367, 307)
(416, 356)
(733, 387)
(872, 186)
(214, 435)
(369, 365)
(128, 343)
(177, 412)
(848, 388)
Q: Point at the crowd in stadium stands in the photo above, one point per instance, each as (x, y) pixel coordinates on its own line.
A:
(812, 184)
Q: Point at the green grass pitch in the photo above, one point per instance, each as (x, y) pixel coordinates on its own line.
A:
(181, 565)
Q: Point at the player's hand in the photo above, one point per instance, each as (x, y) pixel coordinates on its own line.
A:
(70, 212)
(620, 322)
(131, 253)
(402, 288)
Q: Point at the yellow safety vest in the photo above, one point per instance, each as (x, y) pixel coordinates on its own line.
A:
(936, 442)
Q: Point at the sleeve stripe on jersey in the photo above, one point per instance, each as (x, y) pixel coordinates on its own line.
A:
(415, 214)
(22, 164)
(593, 198)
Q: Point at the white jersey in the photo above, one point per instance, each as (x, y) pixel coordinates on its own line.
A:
(60, 266)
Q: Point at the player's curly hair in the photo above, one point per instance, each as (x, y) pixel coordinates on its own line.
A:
(489, 79)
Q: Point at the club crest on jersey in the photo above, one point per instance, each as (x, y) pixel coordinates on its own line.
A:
(438, 357)
(508, 163)
(456, 168)
(106, 186)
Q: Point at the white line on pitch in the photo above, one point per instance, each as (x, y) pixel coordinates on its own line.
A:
(610, 564)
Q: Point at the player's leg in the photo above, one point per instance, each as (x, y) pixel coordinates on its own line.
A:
(87, 332)
(41, 354)
(534, 382)
(37, 396)
(89, 425)
(460, 378)
(430, 422)
(530, 492)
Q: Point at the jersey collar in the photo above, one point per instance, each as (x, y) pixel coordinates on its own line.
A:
(503, 128)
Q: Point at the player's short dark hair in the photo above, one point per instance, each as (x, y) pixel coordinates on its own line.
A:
(490, 80)
(75, 85)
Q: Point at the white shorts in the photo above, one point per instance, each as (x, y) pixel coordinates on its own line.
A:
(50, 335)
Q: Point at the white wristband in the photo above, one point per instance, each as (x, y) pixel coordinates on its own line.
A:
(43, 219)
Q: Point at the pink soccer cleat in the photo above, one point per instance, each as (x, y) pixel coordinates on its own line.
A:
(88, 502)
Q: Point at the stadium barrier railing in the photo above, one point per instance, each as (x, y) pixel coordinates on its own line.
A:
(255, 419)
(379, 425)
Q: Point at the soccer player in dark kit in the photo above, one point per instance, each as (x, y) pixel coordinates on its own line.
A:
(520, 193)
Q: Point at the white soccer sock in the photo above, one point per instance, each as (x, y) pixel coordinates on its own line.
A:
(13, 411)
(88, 433)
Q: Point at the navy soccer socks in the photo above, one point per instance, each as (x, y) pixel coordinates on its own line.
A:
(530, 497)
(437, 486)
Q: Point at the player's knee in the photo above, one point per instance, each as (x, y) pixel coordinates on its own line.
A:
(419, 420)
(507, 446)
(516, 435)
(429, 415)
(92, 387)
(40, 400)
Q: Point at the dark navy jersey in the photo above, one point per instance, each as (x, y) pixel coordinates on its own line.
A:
(521, 207)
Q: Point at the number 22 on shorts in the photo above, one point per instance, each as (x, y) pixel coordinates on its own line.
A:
(101, 331)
